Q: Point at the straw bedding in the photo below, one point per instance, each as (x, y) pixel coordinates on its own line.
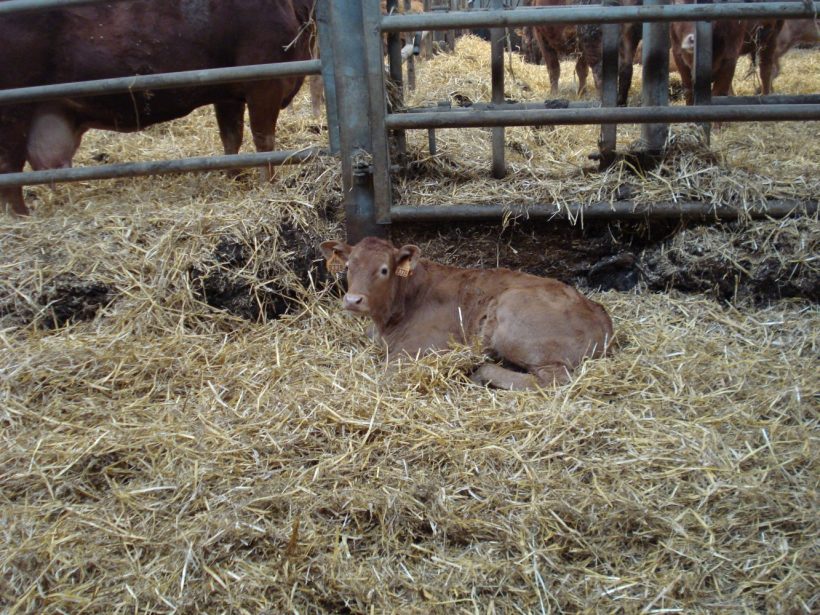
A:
(163, 451)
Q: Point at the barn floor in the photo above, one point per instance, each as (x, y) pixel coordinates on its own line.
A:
(190, 424)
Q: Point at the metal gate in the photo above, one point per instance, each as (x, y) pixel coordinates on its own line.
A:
(352, 64)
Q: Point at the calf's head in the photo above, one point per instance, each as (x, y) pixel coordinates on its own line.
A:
(376, 273)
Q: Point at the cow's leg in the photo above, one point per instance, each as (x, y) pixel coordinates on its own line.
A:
(551, 374)
(768, 47)
(264, 103)
(503, 378)
(722, 78)
(550, 59)
(230, 117)
(626, 57)
(582, 70)
(685, 72)
(12, 160)
(317, 95)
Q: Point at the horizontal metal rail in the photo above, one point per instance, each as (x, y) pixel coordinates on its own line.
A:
(161, 167)
(595, 14)
(774, 99)
(617, 209)
(162, 81)
(465, 118)
(768, 99)
(32, 6)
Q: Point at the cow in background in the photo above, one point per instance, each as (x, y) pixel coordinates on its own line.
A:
(794, 32)
(538, 324)
(588, 39)
(555, 40)
(137, 38)
(730, 39)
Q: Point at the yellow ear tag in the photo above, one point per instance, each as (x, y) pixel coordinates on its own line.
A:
(335, 264)
(403, 271)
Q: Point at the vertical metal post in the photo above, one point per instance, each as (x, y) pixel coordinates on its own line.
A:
(428, 42)
(497, 71)
(449, 35)
(655, 92)
(377, 106)
(358, 152)
(702, 68)
(328, 77)
(611, 34)
(396, 77)
(411, 60)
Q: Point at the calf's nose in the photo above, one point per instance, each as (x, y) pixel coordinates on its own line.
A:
(352, 302)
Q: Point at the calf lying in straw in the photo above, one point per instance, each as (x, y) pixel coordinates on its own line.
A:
(418, 306)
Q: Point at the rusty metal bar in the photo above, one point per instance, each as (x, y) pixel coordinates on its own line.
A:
(160, 167)
(497, 35)
(597, 14)
(617, 209)
(619, 115)
(162, 81)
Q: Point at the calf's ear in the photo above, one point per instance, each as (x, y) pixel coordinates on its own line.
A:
(336, 254)
(406, 260)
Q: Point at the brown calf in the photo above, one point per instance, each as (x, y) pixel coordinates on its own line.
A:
(418, 306)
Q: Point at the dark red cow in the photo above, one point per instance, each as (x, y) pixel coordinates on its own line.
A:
(418, 306)
(137, 38)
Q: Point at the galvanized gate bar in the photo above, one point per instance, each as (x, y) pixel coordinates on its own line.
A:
(376, 107)
(611, 36)
(36, 6)
(655, 89)
(702, 68)
(322, 17)
(162, 81)
(618, 115)
(603, 210)
(353, 105)
(497, 36)
(396, 76)
(160, 167)
(596, 14)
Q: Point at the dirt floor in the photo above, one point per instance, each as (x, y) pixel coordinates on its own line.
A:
(189, 422)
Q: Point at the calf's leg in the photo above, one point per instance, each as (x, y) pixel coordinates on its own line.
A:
(503, 378)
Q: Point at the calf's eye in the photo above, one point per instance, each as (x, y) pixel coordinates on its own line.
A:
(384, 270)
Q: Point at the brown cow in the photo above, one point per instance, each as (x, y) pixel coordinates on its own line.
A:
(794, 32)
(730, 39)
(563, 39)
(135, 38)
(418, 306)
(590, 40)
(555, 40)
